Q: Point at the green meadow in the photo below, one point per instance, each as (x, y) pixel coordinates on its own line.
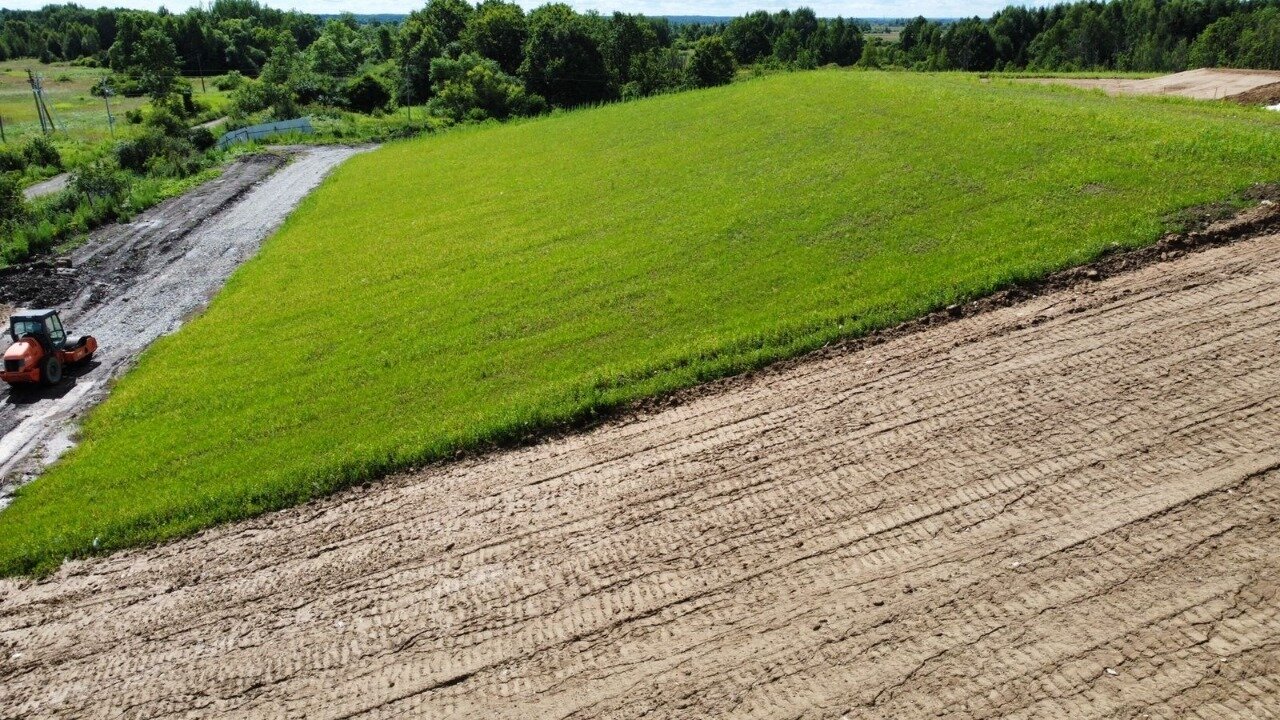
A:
(469, 288)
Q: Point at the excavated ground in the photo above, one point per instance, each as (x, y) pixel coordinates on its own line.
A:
(1247, 86)
(1067, 507)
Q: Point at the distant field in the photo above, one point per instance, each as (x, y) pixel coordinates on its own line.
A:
(471, 287)
(888, 33)
(79, 116)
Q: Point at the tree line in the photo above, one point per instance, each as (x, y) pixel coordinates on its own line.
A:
(495, 60)
(1126, 35)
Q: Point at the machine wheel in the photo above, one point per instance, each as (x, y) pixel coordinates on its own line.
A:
(51, 371)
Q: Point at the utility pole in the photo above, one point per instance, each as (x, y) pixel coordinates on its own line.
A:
(107, 92)
(35, 94)
(3, 139)
(200, 66)
(42, 107)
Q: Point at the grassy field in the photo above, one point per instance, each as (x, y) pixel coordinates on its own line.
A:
(81, 118)
(78, 114)
(448, 292)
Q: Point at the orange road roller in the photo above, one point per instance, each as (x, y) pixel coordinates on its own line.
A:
(41, 348)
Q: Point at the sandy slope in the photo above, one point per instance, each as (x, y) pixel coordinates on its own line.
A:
(1065, 508)
(1201, 84)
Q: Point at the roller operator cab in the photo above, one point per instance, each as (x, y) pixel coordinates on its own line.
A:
(41, 348)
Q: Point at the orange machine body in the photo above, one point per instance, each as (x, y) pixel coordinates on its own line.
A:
(38, 336)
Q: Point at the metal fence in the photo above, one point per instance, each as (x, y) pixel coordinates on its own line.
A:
(257, 132)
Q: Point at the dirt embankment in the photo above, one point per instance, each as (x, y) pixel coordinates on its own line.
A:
(1202, 84)
(131, 283)
(1066, 507)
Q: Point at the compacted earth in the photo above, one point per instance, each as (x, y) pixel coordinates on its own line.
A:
(1249, 86)
(1064, 507)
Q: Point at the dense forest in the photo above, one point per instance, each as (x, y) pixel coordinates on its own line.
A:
(1134, 35)
(465, 61)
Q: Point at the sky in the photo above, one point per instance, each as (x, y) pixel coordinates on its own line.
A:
(854, 8)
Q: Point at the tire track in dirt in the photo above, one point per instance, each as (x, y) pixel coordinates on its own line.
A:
(1065, 508)
(134, 282)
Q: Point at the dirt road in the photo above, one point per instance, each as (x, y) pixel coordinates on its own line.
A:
(130, 284)
(1202, 84)
(1065, 508)
(57, 183)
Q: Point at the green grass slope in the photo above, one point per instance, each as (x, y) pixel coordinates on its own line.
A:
(464, 288)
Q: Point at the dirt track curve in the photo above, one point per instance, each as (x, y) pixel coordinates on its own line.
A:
(1065, 508)
(132, 283)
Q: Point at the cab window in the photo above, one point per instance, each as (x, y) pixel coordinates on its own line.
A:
(25, 327)
(54, 326)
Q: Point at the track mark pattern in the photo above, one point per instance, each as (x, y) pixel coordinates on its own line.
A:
(1065, 508)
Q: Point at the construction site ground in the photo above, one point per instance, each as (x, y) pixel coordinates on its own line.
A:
(1257, 87)
(1066, 507)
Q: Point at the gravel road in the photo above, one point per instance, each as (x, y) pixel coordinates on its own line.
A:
(1069, 507)
(132, 283)
(57, 183)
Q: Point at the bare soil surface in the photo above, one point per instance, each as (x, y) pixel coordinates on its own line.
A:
(1066, 507)
(132, 283)
(1202, 84)
(1267, 95)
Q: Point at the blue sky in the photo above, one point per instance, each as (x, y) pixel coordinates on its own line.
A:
(856, 8)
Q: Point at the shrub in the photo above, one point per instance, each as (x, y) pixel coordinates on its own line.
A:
(139, 154)
(228, 82)
(13, 206)
(712, 63)
(39, 151)
(99, 180)
(201, 138)
(475, 88)
(12, 159)
(366, 94)
(166, 121)
(120, 85)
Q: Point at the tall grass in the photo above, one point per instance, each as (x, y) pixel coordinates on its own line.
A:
(470, 287)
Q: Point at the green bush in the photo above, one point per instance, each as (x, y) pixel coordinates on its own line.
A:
(155, 152)
(201, 138)
(366, 94)
(98, 181)
(712, 64)
(229, 82)
(39, 151)
(475, 88)
(12, 159)
(13, 206)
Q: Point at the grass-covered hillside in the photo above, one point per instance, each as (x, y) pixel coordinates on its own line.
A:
(449, 291)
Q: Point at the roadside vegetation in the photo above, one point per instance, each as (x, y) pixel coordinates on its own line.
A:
(451, 292)
(156, 149)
